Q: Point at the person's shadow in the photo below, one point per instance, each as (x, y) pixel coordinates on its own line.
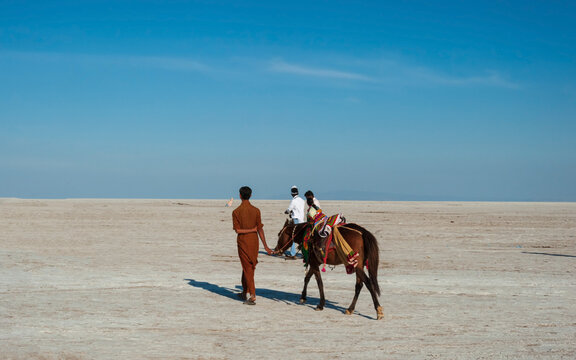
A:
(275, 295)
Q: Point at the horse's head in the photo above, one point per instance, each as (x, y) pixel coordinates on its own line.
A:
(290, 232)
(283, 237)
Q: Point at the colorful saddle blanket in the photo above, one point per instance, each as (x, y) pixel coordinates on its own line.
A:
(327, 228)
(323, 225)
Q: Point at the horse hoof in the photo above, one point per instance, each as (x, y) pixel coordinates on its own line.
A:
(380, 313)
(319, 308)
(348, 312)
(302, 301)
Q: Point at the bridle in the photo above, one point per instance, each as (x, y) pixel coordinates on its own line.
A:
(288, 243)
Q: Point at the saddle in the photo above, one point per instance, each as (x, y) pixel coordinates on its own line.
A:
(330, 237)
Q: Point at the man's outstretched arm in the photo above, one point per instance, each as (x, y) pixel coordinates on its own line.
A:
(263, 238)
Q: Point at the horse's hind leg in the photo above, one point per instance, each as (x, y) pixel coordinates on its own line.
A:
(304, 291)
(359, 285)
(379, 311)
(320, 289)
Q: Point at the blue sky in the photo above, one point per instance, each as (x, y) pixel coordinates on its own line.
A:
(371, 100)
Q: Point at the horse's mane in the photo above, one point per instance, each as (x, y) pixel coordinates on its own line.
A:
(299, 228)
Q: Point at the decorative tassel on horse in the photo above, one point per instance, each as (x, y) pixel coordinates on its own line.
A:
(352, 259)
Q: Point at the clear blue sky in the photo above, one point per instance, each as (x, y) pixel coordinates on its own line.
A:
(381, 100)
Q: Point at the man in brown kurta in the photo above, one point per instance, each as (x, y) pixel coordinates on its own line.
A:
(248, 225)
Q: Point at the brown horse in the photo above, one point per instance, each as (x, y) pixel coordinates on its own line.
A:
(359, 239)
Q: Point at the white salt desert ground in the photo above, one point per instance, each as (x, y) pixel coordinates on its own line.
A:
(156, 279)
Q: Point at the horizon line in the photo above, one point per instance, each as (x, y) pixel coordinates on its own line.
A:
(277, 199)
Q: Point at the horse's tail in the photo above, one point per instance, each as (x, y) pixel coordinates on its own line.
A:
(371, 254)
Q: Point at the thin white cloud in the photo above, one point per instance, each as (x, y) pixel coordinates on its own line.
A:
(378, 72)
(393, 73)
(283, 67)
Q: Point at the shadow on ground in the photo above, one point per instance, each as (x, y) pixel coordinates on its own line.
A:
(270, 294)
(549, 254)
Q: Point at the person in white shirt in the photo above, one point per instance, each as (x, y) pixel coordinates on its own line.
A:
(297, 214)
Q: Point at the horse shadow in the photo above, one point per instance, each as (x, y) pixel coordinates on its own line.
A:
(270, 294)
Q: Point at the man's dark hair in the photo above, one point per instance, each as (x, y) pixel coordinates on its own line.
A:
(309, 193)
(245, 193)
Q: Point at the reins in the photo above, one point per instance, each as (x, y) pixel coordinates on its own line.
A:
(288, 243)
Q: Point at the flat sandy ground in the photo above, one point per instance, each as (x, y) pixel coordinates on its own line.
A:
(156, 279)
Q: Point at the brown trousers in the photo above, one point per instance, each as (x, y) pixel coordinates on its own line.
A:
(248, 254)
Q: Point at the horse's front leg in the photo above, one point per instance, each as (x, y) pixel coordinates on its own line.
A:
(306, 280)
(359, 285)
(320, 289)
